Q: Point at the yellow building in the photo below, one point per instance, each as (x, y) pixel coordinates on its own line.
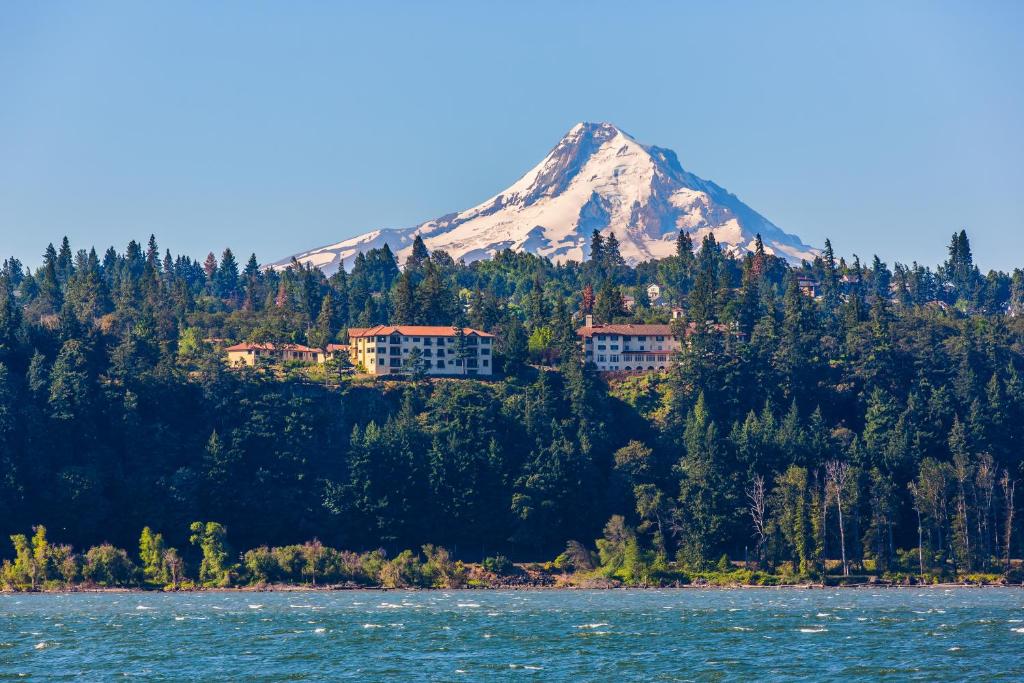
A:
(248, 353)
(384, 349)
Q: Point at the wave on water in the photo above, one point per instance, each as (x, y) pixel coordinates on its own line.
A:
(42, 645)
(594, 625)
(813, 630)
(255, 606)
(468, 604)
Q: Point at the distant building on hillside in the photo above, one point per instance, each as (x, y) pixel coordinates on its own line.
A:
(654, 294)
(248, 353)
(334, 351)
(384, 349)
(628, 347)
(807, 285)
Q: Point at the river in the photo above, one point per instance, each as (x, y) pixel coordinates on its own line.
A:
(612, 635)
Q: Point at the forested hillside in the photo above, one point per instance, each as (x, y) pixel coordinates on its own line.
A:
(879, 424)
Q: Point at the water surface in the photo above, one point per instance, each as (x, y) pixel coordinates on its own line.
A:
(663, 635)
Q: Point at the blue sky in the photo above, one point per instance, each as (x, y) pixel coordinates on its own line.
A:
(276, 127)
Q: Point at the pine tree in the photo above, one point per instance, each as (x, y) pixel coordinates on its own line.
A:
(210, 267)
(226, 276)
(705, 492)
(612, 257)
(418, 256)
(65, 262)
(684, 245)
(404, 300)
(608, 303)
(325, 328)
(597, 249)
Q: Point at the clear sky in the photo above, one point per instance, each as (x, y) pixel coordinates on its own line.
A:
(277, 127)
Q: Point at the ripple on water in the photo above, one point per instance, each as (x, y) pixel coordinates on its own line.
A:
(219, 638)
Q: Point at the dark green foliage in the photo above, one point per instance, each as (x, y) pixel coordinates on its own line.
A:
(117, 412)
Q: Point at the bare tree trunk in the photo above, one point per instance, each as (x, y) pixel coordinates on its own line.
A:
(1008, 490)
(837, 472)
(756, 496)
(915, 493)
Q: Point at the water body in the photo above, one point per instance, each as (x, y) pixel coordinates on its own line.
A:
(666, 635)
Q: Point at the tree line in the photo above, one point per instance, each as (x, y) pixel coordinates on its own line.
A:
(873, 427)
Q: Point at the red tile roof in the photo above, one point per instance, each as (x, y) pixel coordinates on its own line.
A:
(249, 346)
(626, 329)
(336, 347)
(413, 331)
(647, 330)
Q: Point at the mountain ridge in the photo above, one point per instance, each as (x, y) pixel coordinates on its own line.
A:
(597, 177)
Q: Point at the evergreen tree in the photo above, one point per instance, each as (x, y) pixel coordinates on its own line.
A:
(418, 256)
(226, 276)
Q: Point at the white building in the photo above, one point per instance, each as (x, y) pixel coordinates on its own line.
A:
(628, 348)
(384, 349)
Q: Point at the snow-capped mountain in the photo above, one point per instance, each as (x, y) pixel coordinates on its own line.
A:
(597, 177)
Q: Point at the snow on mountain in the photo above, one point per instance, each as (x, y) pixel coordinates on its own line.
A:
(597, 177)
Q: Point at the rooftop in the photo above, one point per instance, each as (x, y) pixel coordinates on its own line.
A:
(413, 331)
(268, 346)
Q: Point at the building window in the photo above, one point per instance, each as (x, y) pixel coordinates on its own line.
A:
(485, 352)
(600, 359)
(600, 337)
(440, 363)
(614, 347)
(486, 362)
(396, 362)
(486, 340)
(395, 351)
(416, 339)
(659, 339)
(440, 341)
(613, 359)
(428, 341)
(601, 347)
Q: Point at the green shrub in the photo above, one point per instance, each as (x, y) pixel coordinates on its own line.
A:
(108, 566)
(498, 564)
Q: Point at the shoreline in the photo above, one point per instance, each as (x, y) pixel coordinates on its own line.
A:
(287, 588)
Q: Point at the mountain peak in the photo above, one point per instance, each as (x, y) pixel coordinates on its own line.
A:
(597, 177)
